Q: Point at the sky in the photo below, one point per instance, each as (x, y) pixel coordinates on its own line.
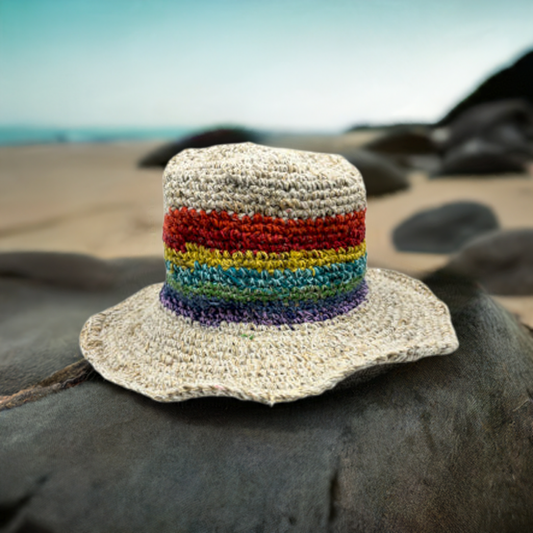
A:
(279, 64)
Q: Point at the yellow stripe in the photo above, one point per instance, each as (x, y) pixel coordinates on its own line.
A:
(293, 260)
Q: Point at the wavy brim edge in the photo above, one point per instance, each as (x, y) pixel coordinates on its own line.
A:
(142, 346)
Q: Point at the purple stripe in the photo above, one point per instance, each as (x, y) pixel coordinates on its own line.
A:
(212, 311)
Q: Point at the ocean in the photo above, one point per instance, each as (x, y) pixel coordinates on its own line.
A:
(22, 135)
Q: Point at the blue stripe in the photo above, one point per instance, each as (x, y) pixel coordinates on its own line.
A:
(245, 278)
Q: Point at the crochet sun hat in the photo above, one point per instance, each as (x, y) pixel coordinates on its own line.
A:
(267, 295)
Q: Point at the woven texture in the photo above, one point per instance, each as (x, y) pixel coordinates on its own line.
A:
(145, 347)
(267, 295)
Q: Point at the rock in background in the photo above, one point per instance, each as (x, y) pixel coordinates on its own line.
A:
(444, 229)
(502, 262)
(46, 298)
(404, 140)
(490, 138)
(381, 175)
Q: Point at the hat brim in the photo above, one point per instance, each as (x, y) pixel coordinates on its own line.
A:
(142, 346)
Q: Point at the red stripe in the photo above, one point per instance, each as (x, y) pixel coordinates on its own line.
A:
(223, 231)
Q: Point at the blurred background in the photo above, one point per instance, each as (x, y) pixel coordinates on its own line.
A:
(431, 101)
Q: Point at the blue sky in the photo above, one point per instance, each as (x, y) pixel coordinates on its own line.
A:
(284, 64)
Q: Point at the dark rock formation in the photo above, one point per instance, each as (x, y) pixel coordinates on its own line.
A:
(45, 300)
(515, 81)
(63, 269)
(478, 156)
(508, 123)
(444, 444)
(502, 262)
(444, 229)
(395, 126)
(404, 141)
(161, 156)
(491, 138)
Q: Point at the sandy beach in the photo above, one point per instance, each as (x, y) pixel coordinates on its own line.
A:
(92, 199)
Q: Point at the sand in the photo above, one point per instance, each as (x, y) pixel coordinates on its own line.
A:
(92, 198)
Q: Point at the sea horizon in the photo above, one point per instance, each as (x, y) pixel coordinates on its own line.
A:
(14, 135)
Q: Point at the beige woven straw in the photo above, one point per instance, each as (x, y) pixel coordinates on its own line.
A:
(267, 295)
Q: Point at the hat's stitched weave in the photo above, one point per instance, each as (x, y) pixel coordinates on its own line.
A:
(267, 296)
(247, 278)
(247, 179)
(223, 231)
(278, 299)
(261, 260)
(295, 269)
(211, 311)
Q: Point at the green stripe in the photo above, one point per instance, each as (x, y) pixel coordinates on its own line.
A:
(225, 292)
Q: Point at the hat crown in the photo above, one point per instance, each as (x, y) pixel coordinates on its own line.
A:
(263, 235)
(252, 179)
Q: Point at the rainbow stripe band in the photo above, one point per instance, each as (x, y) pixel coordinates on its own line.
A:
(228, 232)
(213, 311)
(294, 260)
(274, 271)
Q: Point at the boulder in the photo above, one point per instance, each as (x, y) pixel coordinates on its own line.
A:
(444, 229)
(490, 138)
(47, 297)
(508, 123)
(515, 81)
(161, 156)
(501, 261)
(442, 444)
(404, 140)
(76, 271)
(481, 157)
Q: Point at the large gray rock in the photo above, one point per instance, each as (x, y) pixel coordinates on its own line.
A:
(444, 444)
(45, 300)
(381, 174)
(478, 156)
(444, 229)
(506, 122)
(404, 140)
(491, 138)
(502, 262)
